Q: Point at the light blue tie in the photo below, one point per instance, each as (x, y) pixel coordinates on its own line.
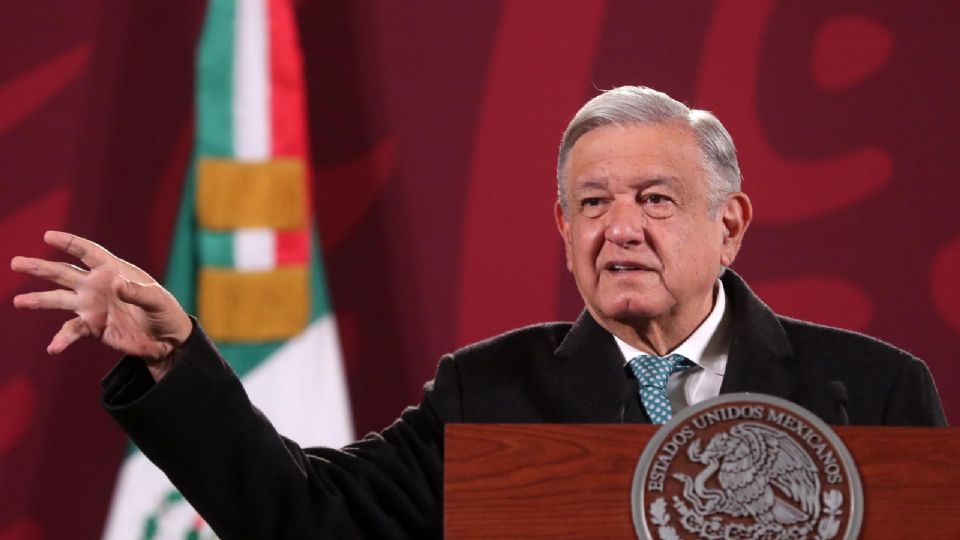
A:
(653, 372)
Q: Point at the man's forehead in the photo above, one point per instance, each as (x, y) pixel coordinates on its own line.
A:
(654, 153)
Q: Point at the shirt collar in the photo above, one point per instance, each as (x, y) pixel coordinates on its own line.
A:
(707, 346)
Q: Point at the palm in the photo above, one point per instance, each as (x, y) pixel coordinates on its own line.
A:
(118, 324)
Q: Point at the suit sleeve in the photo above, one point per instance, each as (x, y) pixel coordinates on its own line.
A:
(914, 400)
(247, 481)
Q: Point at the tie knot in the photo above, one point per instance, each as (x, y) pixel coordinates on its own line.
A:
(652, 370)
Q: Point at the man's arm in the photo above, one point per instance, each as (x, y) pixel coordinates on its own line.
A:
(200, 428)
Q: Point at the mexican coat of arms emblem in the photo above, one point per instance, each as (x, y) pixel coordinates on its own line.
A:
(746, 467)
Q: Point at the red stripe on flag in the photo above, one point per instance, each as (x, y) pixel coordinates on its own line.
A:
(288, 113)
(292, 247)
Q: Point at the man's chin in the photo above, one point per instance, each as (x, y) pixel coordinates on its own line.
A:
(632, 311)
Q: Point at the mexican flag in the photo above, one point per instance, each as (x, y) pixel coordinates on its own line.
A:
(245, 256)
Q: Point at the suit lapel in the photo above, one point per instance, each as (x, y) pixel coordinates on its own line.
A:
(590, 371)
(760, 350)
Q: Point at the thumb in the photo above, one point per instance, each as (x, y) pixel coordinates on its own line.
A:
(147, 297)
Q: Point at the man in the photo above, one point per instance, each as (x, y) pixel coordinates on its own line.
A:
(651, 214)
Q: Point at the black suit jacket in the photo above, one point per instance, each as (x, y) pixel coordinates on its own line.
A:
(249, 482)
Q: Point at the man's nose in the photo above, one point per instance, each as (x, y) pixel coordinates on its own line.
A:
(625, 224)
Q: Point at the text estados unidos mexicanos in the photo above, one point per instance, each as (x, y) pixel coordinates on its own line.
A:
(813, 440)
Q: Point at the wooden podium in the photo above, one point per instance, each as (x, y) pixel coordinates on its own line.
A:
(574, 480)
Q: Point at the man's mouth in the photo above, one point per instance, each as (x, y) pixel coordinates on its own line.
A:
(624, 267)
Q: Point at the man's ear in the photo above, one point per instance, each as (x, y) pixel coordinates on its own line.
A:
(564, 227)
(735, 215)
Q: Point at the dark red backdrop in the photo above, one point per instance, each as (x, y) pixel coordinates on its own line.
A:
(435, 126)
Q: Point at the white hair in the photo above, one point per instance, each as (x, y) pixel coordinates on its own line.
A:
(638, 105)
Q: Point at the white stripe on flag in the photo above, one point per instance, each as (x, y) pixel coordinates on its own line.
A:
(251, 83)
(302, 388)
(254, 250)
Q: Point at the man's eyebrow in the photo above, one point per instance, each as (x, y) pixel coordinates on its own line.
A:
(590, 184)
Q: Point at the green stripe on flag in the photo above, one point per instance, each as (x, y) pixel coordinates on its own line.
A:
(214, 104)
(182, 267)
(216, 249)
(215, 81)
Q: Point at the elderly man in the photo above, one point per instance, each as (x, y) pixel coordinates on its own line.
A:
(651, 215)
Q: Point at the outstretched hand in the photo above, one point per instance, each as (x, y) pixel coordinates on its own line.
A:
(115, 302)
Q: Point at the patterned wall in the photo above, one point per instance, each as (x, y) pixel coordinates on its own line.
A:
(435, 127)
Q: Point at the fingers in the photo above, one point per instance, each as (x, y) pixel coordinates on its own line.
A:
(90, 253)
(58, 299)
(71, 331)
(63, 274)
(147, 297)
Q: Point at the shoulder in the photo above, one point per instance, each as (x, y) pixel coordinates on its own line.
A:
(848, 355)
(512, 354)
(817, 344)
(811, 338)
(886, 384)
(537, 339)
(491, 380)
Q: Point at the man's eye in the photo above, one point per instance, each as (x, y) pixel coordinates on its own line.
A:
(592, 206)
(657, 199)
(658, 206)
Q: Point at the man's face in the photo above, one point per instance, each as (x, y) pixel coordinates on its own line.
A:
(638, 233)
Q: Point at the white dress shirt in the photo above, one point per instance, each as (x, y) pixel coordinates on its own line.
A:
(707, 347)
